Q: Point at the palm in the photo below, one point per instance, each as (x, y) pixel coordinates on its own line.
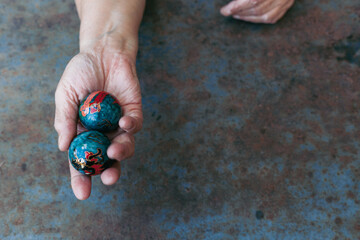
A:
(112, 73)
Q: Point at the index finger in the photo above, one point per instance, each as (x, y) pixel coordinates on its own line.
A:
(236, 6)
(65, 118)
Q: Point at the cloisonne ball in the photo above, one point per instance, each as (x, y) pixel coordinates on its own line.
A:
(87, 153)
(100, 111)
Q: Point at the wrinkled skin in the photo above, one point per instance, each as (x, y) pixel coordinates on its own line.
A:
(257, 11)
(113, 72)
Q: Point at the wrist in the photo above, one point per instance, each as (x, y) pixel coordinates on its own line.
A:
(109, 24)
(107, 32)
(115, 43)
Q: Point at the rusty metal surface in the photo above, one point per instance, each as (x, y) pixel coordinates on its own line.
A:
(251, 131)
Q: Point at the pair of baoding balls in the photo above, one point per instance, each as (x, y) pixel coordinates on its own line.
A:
(99, 112)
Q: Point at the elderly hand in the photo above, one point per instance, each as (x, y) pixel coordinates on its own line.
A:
(113, 72)
(257, 11)
(108, 48)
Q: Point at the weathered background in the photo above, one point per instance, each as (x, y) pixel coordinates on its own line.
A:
(251, 131)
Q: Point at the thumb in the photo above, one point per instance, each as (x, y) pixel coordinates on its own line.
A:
(65, 117)
(125, 86)
(132, 118)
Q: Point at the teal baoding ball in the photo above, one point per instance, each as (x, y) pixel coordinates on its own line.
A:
(87, 153)
(100, 111)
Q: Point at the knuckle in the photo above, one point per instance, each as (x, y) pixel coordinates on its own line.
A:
(257, 12)
(131, 139)
(274, 20)
(265, 18)
(122, 153)
(140, 125)
(130, 147)
(270, 18)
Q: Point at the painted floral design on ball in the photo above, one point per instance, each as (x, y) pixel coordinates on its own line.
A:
(100, 111)
(87, 153)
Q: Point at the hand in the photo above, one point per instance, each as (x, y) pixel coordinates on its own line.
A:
(257, 11)
(113, 72)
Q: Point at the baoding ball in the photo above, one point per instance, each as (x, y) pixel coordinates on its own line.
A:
(87, 153)
(100, 111)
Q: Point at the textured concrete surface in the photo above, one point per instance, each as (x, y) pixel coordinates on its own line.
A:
(251, 131)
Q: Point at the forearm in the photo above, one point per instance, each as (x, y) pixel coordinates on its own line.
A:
(110, 23)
